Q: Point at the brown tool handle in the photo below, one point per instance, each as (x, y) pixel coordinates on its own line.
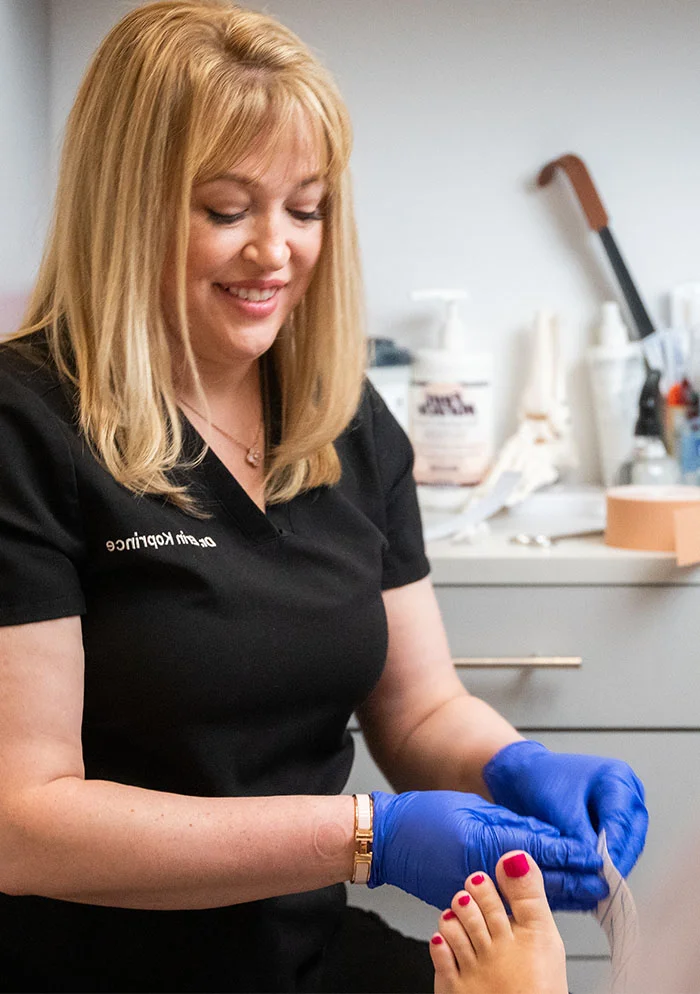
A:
(582, 183)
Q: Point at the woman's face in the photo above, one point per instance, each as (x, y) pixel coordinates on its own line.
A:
(255, 237)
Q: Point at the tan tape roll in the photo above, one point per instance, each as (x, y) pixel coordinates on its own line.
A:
(643, 517)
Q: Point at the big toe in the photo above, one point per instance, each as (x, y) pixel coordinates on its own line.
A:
(520, 881)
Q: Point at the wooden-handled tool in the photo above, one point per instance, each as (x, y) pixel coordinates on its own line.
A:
(597, 217)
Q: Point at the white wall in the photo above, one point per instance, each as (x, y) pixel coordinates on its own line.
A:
(24, 145)
(456, 105)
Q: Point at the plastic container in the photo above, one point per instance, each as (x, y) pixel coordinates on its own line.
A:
(451, 407)
(685, 306)
(390, 373)
(617, 372)
(690, 451)
(679, 401)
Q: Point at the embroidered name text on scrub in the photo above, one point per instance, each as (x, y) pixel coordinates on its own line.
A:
(153, 541)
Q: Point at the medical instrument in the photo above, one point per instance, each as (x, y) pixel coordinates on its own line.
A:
(597, 218)
(546, 541)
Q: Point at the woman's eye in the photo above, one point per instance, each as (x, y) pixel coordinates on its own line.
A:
(218, 218)
(317, 215)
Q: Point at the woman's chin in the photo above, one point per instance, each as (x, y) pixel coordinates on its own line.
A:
(233, 344)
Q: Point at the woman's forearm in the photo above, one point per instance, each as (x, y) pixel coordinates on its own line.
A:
(97, 842)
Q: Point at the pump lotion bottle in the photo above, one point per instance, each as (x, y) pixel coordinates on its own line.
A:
(451, 417)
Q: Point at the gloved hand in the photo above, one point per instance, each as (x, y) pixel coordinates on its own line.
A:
(428, 841)
(578, 794)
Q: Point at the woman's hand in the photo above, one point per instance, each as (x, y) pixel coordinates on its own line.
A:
(428, 842)
(580, 795)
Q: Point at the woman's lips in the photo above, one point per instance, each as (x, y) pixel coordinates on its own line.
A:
(251, 308)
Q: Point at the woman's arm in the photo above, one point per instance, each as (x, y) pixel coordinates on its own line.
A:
(97, 842)
(427, 732)
(423, 728)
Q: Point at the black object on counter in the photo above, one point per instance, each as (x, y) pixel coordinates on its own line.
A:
(649, 423)
(385, 352)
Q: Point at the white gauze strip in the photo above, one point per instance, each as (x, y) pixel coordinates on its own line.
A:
(617, 916)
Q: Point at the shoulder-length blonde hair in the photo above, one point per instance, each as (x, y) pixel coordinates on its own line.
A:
(178, 92)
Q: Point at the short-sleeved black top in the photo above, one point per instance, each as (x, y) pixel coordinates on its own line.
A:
(223, 657)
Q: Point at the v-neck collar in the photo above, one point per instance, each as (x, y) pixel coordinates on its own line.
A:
(220, 483)
(227, 492)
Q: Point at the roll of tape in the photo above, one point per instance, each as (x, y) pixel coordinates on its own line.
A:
(644, 517)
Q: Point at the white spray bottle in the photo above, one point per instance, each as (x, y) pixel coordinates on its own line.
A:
(451, 417)
(616, 368)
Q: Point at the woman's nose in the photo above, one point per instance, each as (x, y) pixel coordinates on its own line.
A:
(267, 247)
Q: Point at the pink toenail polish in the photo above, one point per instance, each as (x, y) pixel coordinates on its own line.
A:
(448, 914)
(516, 866)
(464, 900)
(436, 940)
(478, 878)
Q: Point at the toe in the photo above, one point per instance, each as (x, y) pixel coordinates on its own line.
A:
(452, 930)
(483, 893)
(520, 881)
(444, 963)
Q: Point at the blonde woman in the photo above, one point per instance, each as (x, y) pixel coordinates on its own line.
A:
(210, 556)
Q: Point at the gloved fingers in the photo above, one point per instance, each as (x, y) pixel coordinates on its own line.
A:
(574, 891)
(564, 854)
(495, 816)
(625, 838)
(572, 820)
(621, 811)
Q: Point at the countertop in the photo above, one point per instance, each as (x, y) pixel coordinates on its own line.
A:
(491, 559)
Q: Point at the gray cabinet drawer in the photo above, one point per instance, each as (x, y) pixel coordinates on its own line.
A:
(665, 761)
(588, 975)
(639, 649)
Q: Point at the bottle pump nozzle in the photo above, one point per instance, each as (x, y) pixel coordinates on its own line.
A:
(453, 331)
(613, 332)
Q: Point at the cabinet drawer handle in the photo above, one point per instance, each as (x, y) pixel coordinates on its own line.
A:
(517, 662)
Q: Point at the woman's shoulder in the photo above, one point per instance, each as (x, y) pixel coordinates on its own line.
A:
(377, 476)
(29, 377)
(374, 448)
(28, 359)
(373, 423)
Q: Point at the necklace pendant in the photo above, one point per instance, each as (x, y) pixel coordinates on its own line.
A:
(253, 457)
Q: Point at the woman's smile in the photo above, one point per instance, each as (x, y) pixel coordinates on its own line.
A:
(252, 302)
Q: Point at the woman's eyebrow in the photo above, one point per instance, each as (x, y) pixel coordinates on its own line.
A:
(250, 182)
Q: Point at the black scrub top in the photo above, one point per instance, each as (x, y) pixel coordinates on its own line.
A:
(223, 657)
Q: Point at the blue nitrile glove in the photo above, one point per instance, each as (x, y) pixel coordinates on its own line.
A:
(578, 794)
(428, 841)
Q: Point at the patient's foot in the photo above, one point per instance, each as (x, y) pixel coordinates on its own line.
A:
(479, 949)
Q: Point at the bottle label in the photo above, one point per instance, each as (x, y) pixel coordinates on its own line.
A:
(452, 432)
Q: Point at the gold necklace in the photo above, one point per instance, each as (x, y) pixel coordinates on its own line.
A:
(253, 454)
